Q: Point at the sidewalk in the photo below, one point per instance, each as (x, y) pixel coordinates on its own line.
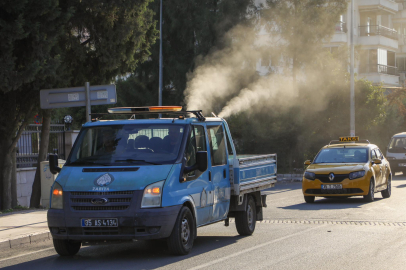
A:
(25, 227)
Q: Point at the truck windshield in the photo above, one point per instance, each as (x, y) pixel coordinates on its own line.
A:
(126, 145)
(342, 155)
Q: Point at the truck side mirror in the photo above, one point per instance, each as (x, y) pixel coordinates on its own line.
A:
(201, 160)
(307, 162)
(53, 164)
(201, 163)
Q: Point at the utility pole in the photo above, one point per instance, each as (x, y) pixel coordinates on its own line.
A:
(352, 95)
(160, 57)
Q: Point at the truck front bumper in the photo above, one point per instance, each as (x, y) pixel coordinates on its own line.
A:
(133, 223)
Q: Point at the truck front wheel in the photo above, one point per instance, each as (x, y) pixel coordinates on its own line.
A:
(245, 220)
(66, 247)
(183, 234)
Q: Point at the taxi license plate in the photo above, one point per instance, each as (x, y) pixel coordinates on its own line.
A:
(402, 164)
(336, 186)
(99, 222)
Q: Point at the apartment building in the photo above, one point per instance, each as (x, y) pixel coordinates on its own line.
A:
(380, 39)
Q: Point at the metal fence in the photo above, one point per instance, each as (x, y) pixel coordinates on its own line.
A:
(30, 140)
(378, 30)
(379, 69)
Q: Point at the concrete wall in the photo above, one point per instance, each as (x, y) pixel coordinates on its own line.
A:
(25, 178)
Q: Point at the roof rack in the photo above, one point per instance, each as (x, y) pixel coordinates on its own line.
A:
(341, 142)
(199, 115)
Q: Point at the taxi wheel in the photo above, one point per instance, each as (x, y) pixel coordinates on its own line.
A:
(180, 242)
(245, 220)
(371, 194)
(387, 192)
(309, 199)
(66, 247)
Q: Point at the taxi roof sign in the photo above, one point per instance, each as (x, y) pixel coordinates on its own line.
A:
(349, 139)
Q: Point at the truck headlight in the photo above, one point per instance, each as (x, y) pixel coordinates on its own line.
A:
(355, 175)
(152, 195)
(310, 175)
(56, 196)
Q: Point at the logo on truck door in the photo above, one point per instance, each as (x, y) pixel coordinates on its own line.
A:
(104, 180)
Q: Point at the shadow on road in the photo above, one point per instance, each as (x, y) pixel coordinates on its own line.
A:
(329, 204)
(136, 255)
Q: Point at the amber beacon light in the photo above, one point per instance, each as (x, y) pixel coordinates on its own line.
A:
(145, 109)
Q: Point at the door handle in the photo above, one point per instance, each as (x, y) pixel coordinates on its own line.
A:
(225, 173)
(210, 176)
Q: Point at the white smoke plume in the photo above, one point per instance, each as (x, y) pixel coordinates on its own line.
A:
(227, 81)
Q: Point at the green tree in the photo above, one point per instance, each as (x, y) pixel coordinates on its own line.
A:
(102, 40)
(29, 33)
(51, 44)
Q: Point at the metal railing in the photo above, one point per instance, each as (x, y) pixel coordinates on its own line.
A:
(29, 142)
(341, 27)
(379, 69)
(378, 30)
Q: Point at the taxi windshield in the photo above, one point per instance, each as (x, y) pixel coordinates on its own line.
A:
(342, 155)
(125, 145)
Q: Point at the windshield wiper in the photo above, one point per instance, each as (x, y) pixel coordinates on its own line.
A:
(135, 160)
(84, 162)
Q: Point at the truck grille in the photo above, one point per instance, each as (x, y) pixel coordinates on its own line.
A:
(101, 201)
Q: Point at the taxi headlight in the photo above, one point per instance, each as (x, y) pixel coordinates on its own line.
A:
(310, 175)
(56, 196)
(152, 195)
(355, 175)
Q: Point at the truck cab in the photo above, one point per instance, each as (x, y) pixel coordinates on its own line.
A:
(153, 179)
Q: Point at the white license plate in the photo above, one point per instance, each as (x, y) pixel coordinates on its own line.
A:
(99, 222)
(402, 164)
(335, 186)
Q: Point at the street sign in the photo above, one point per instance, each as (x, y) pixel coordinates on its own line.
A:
(76, 96)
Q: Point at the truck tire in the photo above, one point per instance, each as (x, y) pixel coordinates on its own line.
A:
(180, 242)
(387, 192)
(66, 247)
(245, 220)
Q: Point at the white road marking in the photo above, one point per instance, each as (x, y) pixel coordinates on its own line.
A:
(25, 254)
(253, 248)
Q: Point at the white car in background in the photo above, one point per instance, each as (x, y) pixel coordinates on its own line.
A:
(396, 153)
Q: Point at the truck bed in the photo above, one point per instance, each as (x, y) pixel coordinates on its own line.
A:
(249, 173)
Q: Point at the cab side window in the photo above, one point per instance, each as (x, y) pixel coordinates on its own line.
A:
(379, 153)
(196, 142)
(373, 155)
(217, 145)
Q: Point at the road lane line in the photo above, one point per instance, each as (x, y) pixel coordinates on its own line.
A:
(25, 254)
(254, 248)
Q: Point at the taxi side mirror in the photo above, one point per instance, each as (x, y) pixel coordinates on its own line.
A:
(307, 162)
(377, 161)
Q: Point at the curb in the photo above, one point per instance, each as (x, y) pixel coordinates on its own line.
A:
(25, 240)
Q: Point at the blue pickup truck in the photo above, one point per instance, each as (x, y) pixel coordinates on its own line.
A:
(158, 178)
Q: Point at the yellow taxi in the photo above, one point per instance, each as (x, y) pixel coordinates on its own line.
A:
(347, 167)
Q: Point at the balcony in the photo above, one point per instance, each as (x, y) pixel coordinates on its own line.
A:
(378, 35)
(380, 6)
(387, 75)
(340, 35)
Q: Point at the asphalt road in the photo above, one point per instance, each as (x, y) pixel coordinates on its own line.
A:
(329, 234)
